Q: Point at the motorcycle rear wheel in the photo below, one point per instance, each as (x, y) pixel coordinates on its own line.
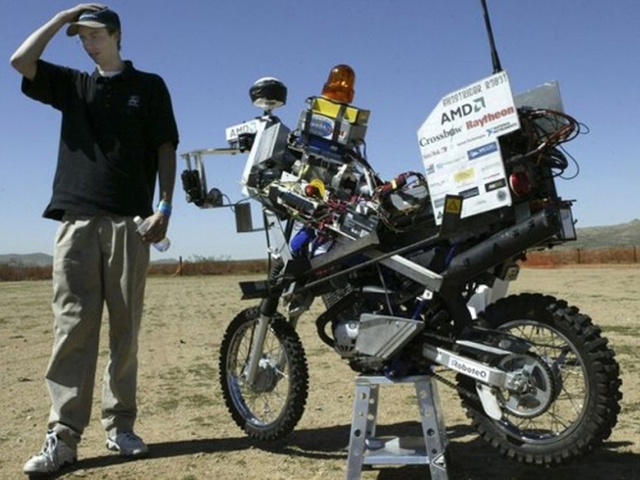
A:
(270, 408)
(587, 376)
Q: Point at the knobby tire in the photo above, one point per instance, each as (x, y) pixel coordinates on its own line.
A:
(601, 407)
(239, 398)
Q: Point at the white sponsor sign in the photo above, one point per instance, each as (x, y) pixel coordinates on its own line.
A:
(459, 146)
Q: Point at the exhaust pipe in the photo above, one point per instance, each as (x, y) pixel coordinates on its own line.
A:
(501, 246)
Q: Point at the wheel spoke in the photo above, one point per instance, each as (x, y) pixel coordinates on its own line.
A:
(567, 407)
(569, 402)
(273, 403)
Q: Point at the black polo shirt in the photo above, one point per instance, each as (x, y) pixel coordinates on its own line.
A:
(111, 131)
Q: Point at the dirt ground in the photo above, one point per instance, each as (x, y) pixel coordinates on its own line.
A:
(191, 436)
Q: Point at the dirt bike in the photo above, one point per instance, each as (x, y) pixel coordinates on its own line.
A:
(412, 282)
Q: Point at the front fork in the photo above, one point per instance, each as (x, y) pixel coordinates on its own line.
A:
(268, 308)
(279, 251)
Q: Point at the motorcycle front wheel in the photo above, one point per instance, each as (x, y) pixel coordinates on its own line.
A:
(586, 384)
(271, 407)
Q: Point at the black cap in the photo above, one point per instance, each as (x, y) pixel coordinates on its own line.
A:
(95, 19)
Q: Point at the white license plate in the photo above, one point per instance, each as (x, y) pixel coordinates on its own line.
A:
(232, 133)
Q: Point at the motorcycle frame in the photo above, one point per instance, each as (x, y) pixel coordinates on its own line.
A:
(278, 237)
(276, 232)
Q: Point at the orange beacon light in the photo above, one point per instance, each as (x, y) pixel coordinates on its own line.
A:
(339, 85)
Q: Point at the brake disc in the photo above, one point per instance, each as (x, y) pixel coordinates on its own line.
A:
(533, 387)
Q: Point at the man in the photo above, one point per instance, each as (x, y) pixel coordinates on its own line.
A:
(118, 134)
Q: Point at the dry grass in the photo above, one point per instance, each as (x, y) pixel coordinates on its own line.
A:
(191, 436)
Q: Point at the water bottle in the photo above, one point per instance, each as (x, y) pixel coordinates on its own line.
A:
(143, 225)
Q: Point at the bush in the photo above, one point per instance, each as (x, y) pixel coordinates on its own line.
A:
(16, 271)
(209, 266)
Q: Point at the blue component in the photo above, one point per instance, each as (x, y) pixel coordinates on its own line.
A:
(300, 241)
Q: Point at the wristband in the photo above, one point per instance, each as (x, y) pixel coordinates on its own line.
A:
(164, 208)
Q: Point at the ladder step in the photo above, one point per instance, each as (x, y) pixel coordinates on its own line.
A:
(367, 449)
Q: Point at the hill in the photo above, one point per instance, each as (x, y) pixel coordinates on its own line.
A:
(26, 260)
(622, 235)
(45, 260)
(625, 234)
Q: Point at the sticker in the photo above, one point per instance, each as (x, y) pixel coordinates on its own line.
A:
(453, 205)
(469, 369)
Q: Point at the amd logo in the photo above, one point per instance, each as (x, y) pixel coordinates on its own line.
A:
(463, 110)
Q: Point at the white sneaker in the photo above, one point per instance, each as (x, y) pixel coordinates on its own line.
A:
(55, 454)
(127, 444)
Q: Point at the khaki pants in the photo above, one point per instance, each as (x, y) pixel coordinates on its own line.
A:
(97, 260)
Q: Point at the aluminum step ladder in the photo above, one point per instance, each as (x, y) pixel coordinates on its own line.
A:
(366, 449)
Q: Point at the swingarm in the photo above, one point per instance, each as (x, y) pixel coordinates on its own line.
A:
(524, 379)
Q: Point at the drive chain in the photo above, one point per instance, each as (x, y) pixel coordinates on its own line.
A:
(457, 388)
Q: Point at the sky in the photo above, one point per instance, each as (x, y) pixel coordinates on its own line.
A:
(407, 54)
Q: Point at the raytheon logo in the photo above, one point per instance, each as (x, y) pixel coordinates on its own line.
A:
(468, 369)
(424, 141)
(490, 117)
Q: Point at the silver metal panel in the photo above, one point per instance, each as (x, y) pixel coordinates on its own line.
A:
(546, 95)
(382, 336)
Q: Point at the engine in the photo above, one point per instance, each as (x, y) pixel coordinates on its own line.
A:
(349, 324)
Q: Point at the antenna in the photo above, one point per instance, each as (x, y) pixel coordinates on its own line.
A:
(494, 53)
